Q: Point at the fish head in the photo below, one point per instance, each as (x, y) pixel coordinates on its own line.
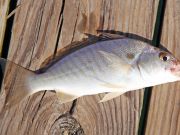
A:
(158, 66)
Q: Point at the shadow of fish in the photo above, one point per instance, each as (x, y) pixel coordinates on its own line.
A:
(112, 64)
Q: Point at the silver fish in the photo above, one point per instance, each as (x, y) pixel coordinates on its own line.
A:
(114, 66)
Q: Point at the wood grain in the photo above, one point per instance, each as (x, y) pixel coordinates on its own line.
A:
(121, 115)
(40, 29)
(164, 110)
(4, 8)
(34, 37)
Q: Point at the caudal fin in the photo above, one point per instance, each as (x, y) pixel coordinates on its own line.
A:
(15, 85)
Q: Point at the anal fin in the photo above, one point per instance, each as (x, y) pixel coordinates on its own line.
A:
(111, 95)
(64, 97)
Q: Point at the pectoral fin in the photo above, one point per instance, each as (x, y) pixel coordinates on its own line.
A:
(116, 62)
(64, 97)
(110, 96)
(110, 57)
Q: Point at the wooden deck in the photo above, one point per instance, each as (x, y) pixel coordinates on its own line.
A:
(4, 8)
(164, 110)
(43, 27)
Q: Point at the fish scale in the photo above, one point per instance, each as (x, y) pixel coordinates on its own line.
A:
(115, 66)
(69, 68)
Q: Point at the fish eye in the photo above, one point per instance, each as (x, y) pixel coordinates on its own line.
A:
(164, 56)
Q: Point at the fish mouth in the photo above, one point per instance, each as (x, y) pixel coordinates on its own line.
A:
(175, 69)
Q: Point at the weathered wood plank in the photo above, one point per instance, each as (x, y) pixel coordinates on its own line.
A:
(119, 116)
(164, 110)
(4, 8)
(34, 36)
(41, 25)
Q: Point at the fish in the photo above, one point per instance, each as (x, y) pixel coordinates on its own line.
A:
(114, 66)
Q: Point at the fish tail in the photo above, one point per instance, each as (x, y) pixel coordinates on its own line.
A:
(15, 85)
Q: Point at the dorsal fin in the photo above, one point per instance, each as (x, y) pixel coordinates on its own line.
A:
(109, 36)
(76, 45)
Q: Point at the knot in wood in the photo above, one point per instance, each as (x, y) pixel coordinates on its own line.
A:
(66, 125)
